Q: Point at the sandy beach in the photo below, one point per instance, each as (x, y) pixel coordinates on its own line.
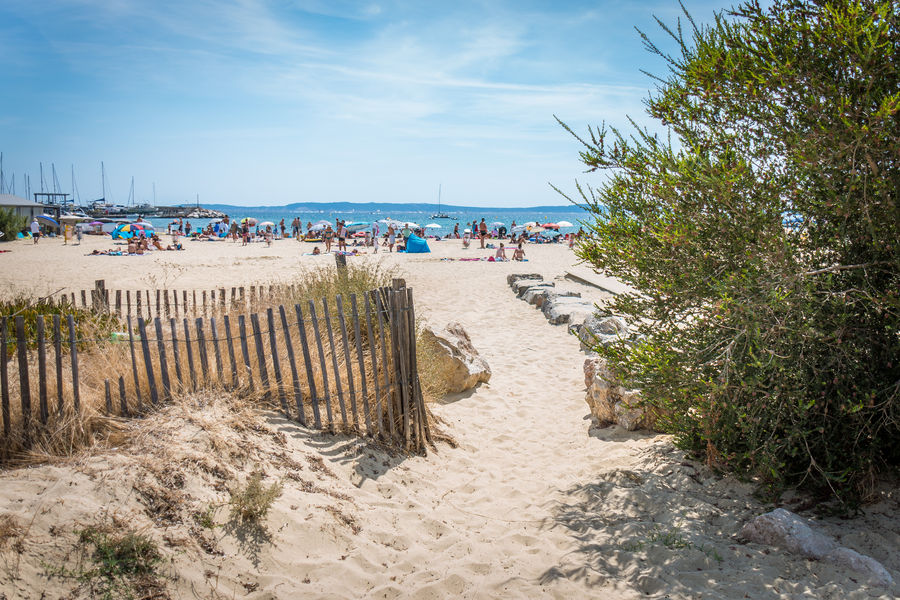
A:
(532, 500)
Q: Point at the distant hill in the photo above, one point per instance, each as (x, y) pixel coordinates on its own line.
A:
(386, 206)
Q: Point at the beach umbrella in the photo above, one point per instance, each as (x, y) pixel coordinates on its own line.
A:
(319, 226)
(467, 231)
(73, 218)
(95, 223)
(497, 224)
(267, 224)
(518, 229)
(355, 226)
(565, 224)
(47, 220)
(411, 225)
(250, 221)
(535, 229)
(322, 222)
(550, 226)
(432, 226)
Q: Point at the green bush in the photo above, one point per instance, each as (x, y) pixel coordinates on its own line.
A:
(11, 224)
(762, 240)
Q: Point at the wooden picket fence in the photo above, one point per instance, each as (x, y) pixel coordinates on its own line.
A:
(166, 303)
(327, 367)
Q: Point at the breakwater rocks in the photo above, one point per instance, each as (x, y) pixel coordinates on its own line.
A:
(609, 401)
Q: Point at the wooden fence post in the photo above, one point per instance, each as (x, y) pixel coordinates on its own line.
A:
(419, 401)
(231, 359)
(295, 379)
(163, 362)
(214, 333)
(276, 364)
(307, 361)
(176, 358)
(334, 361)
(362, 364)
(134, 370)
(123, 402)
(201, 346)
(24, 384)
(100, 295)
(73, 358)
(108, 396)
(118, 303)
(327, 394)
(373, 348)
(148, 362)
(42, 370)
(4, 375)
(354, 413)
(260, 353)
(245, 352)
(389, 393)
(190, 354)
(57, 346)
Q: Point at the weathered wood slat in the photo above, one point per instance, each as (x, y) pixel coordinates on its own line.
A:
(362, 364)
(422, 416)
(326, 390)
(175, 353)
(307, 361)
(175, 304)
(123, 401)
(166, 303)
(201, 349)
(190, 353)
(354, 412)
(386, 367)
(108, 396)
(231, 359)
(334, 362)
(158, 299)
(148, 305)
(73, 358)
(84, 302)
(163, 360)
(214, 333)
(137, 309)
(295, 378)
(57, 347)
(400, 382)
(42, 371)
(373, 354)
(148, 361)
(276, 363)
(119, 303)
(260, 353)
(4, 375)
(24, 383)
(245, 353)
(134, 369)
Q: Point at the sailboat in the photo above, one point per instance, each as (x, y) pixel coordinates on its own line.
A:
(441, 215)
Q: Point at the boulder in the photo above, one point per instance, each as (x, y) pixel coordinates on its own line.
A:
(565, 309)
(523, 285)
(511, 279)
(538, 295)
(460, 361)
(610, 402)
(597, 330)
(786, 530)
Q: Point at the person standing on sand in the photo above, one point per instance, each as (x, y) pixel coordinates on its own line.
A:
(342, 236)
(482, 231)
(245, 233)
(35, 230)
(391, 238)
(328, 236)
(456, 231)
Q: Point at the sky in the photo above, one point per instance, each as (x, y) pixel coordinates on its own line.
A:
(269, 102)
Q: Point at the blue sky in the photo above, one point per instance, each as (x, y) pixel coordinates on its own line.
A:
(256, 102)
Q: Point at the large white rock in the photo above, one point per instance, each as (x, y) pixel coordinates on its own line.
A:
(514, 277)
(461, 363)
(523, 285)
(538, 295)
(786, 530)
(596, 330)
(560, 310)
(610, 402)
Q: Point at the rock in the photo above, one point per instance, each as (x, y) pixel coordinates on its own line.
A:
(463, 366)
(786, 530)
(598, 330)
(609, 402)
(565, 309)
(511, 279)
(523, 285)
(537, 296)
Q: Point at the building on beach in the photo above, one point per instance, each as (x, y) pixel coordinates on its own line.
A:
(21, 206)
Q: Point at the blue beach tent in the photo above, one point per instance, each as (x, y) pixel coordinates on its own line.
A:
(416, 245)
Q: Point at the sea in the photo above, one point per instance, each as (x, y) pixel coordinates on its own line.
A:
(421, 215)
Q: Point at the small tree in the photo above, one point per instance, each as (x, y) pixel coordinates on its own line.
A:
(11, 224)
(762, 239)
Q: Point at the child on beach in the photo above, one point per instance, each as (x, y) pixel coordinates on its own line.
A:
(501, 253)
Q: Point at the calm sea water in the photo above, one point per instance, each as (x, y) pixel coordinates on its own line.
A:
(422, 217)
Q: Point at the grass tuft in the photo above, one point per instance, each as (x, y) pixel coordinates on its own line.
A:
(250, 503)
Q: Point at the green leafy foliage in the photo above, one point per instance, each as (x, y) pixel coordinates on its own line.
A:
(11, 224)
(762, 239)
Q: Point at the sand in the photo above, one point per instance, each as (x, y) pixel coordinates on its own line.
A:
(533, 501)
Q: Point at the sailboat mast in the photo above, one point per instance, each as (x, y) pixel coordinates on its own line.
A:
(1, 173)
